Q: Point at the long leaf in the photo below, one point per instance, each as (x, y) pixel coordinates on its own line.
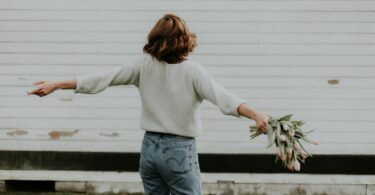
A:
(277, 158)
(278, 133)
(286, 117)
(303, 148)
(253, 128)
(271, 136)
(255, 134)
(273, 123)
(309, 140)
(309, 131)
(298, 123)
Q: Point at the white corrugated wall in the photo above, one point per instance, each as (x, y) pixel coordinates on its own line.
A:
(312, 58)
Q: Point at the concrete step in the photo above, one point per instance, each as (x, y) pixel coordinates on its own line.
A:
(213, 183)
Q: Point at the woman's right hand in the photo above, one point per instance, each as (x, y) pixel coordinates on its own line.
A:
(45, 88)
(262, 121)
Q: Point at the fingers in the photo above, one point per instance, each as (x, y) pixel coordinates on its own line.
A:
(39, 92)
(263, 127)
(36, 91)
(39, 82)
(262, 122)
(266, 121)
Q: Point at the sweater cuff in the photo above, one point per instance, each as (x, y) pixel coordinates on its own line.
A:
(237, 103)
(79, 83)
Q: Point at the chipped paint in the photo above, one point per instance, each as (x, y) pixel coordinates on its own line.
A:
(114, 134)
(58, 134)
(17, 132)
(89, 187)
(297, 191)
(333, 81)
(66, 99)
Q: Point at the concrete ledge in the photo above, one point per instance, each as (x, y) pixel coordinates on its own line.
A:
(71, 186)
(278, 189)
(219, 188)
(100, 176)
(213, 183)
(2, 186)
(370, 190)
(99, 187)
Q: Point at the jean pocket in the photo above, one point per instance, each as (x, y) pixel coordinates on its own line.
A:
(179, 160)
(146, 144)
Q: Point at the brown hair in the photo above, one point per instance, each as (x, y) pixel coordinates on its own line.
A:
(170, 40)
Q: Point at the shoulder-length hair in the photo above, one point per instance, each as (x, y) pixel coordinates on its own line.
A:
(170, 40)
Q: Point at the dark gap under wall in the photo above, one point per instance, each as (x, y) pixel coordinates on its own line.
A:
(29, 186)
(218, 163)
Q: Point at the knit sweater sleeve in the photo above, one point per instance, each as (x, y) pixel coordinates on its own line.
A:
(207, 88)
(127, 74)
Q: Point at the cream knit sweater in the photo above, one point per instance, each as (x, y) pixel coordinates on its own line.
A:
(171, 94)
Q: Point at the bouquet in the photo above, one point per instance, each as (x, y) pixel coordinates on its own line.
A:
(286, 135)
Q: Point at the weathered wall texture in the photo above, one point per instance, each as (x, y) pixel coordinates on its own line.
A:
(213, 184)
(311, 58)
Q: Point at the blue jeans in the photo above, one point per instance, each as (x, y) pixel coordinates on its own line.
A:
(169, 165)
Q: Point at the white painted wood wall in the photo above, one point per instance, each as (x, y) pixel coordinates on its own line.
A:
(277, 54)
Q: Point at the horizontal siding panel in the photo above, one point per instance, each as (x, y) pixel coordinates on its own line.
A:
(228, 124)
(188, 5)
(73, 37)
(227, 60)
(189, 16)
(258, 39)
(215, 114)
(229, 27)
(246, 148)
(136, 135)
(62, 145)
(223, 72)
(113, 91)
(66, 59)
(232, 82)
(235, 49)
(72, 124)
(112, 107)
(205, 147)
(115, 136)
(262, 92)
(321, 81)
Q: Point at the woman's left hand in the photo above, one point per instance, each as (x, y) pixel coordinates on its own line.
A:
(261, 120)
(45, 88)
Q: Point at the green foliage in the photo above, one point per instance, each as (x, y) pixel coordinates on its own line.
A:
(65, 193)
(286, 135)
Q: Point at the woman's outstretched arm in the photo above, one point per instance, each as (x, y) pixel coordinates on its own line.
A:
(230, 104)
(47, 87)
(93, 83)
(261, 119)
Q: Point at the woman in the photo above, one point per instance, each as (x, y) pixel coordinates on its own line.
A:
(172, 88)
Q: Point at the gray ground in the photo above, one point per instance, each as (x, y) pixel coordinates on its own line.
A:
(57, 193)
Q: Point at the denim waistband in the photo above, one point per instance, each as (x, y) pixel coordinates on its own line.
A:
(167, 135)
(168, 140)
